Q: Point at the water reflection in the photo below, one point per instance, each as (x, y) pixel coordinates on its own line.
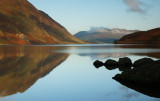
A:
(151, 50)
(21, 67)
(112, 51)
(73, 80)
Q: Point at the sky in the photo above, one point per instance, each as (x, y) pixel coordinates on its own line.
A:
(81, 15)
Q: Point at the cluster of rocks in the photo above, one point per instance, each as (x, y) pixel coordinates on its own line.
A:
(143, 75)
(123, 64)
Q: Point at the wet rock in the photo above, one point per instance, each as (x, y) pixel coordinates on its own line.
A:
(124, 64)
(157, 62)
(144, 79)
(111, 64)
(143, 61)
(98, 63)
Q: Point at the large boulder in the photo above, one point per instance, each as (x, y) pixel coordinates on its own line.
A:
(98, 63)
(157, 62)
(144, 79)
(143, 61)
(124, 64)
(111, 64)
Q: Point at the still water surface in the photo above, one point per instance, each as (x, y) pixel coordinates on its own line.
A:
(66, 72)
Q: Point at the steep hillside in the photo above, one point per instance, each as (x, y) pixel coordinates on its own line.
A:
(21, 23)
(104, 35)
(142, 37)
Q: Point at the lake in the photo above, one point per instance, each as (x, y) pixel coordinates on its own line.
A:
(66, 72)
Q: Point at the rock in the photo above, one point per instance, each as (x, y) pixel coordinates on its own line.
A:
(157, 62)
(124, 64)
(98, 63)
(143, 61)
(144, 79)
(111, 64)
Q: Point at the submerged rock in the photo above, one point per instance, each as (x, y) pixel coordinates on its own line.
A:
(98, 63)
(111, 64)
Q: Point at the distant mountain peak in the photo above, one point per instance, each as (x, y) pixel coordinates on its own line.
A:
(103, 34)
(98, 29)
(110, 30)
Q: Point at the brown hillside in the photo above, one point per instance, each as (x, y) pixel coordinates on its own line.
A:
(142, 37)
(21, 23)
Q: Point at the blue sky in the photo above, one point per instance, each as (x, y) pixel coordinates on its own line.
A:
(81, 15)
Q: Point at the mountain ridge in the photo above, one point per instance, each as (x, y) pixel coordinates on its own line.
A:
(101, 34)
(142, 37)
(22, 24)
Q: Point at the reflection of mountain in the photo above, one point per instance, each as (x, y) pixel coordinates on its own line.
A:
(155, 53)
(122, 52)
(95, 51)
(21, 67)
(113, 51)
(105, 55)
(119, 55)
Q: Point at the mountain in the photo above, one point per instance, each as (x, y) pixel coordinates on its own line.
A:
(102, 34)
(22, 24)
(142, 37)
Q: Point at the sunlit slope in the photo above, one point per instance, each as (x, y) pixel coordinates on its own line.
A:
(21, 23)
